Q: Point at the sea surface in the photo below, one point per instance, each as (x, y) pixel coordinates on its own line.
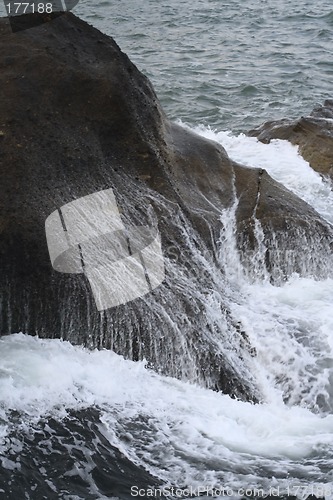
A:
(78, 424)
(225, 64)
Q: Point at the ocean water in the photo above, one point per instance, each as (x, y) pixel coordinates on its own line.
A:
(78, 424)
(226, 64)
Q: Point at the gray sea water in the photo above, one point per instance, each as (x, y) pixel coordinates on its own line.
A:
(227, 64)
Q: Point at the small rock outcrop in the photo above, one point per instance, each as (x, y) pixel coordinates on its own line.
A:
(313, 134)
(77, 118)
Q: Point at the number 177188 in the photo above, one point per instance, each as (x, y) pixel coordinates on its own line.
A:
(19, 8)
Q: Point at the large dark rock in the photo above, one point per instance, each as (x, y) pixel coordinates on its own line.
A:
(313, 134)
(77, 117)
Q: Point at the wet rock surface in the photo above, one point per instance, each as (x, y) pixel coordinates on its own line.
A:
(77, 117)
(313, 134)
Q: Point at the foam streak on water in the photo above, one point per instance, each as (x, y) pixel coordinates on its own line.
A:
(183, 434)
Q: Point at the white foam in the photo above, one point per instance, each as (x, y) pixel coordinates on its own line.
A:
(172, 428)
(289, 326)
(291, 329)
(282, 161)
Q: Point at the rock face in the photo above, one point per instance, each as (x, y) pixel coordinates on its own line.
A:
(313, 134)
(76, 118)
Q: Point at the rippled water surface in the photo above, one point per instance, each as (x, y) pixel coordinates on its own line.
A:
(227, 64)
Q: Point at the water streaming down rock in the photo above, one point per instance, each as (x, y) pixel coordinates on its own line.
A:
(301, 375)
(103, 128)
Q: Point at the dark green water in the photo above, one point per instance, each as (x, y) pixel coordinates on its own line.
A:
(227, 64)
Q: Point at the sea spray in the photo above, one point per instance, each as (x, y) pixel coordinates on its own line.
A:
(182, 434)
